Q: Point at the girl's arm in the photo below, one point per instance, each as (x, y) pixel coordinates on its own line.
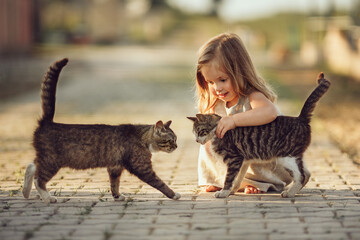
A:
(263, 111)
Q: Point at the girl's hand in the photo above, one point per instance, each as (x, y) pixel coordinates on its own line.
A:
(225, 124)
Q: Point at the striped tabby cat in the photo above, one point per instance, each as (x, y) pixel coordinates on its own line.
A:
(76, 146)
(285, 137)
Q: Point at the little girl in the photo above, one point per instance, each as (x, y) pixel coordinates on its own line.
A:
(228, 85)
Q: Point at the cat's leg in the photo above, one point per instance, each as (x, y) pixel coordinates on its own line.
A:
(307, 175)
(42, 176)
(145, 173)
(291, 164)
(28, 179)
(114, 176)
(239, 178)
(233, 168)
(153, 180)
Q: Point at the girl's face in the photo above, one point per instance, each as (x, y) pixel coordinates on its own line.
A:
(219, 83)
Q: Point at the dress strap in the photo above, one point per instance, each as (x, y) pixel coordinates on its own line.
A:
(241, 106)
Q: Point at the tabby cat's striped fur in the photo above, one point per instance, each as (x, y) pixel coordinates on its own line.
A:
(76, 146)
(285, 137)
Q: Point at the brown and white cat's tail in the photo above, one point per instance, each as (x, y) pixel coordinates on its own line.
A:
(310, 103)
(48, 90)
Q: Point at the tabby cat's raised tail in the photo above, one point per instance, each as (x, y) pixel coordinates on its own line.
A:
(310, 103)
(48, 90)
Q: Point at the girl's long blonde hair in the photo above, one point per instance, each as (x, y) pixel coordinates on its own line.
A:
(236, 63)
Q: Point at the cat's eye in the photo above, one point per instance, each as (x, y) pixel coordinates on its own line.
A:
(203, 133)
(169, 141)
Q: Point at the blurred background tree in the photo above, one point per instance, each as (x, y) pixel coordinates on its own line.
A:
(296, 33)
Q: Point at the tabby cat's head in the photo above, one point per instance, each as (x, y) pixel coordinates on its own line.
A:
(163, 138)
(204, 126)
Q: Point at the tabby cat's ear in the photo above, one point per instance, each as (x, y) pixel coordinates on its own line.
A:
(194, 119)
(201, 117)
(167, 124)
(159, 124)
(321, 75)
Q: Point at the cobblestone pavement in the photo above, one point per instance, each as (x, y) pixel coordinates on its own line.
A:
(327, 208)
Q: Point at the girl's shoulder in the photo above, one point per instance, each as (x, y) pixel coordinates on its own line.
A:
(258, 98)
(257, 95)
(242, 105)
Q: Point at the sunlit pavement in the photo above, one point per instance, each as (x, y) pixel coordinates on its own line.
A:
(123, 86)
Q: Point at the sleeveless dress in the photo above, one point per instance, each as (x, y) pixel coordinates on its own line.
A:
(265, 177)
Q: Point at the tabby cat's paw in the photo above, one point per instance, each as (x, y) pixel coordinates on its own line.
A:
(176, 196)
(286, 194)
(50, 199)
(26, 192)
(222, 194)
(119, 198)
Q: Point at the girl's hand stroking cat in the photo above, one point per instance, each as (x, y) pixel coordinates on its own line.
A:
(226, 123)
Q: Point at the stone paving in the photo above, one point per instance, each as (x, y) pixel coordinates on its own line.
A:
(327, 208)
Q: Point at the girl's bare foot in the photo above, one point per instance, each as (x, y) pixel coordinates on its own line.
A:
(251, 190)
(211, 188)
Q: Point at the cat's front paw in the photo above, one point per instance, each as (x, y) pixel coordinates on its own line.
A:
(222, 194)
(176, 196)
(50, 199)
(286, 194)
